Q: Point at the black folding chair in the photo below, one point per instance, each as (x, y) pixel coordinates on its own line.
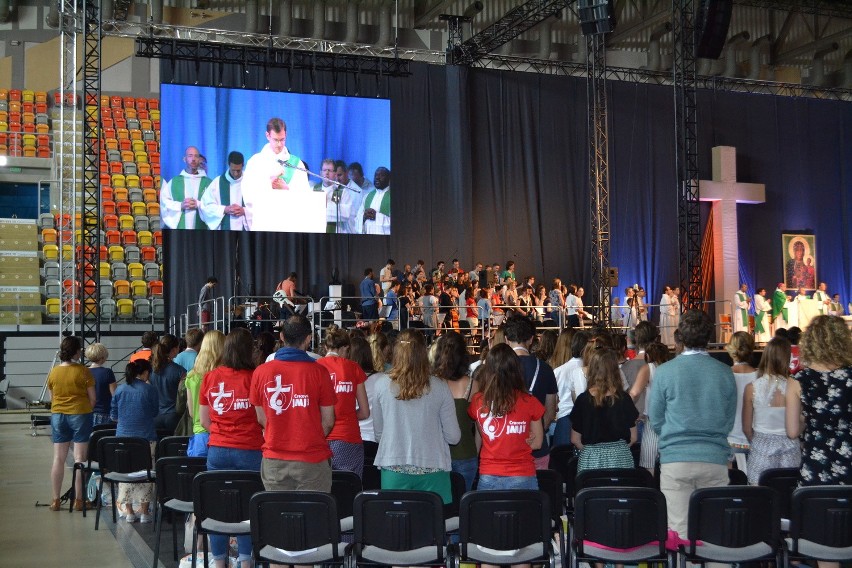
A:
(295, 527)
(624, 525)
(399, 528)
(564, 461)
(635, 477)
(88, 467)
(174, 494)
(122, 460)
(550, 482)
(451, 509)
(821, 523)
(171, 446)
(737, 477)
(221, 504)
(734, 524)
(345, 486)
(784, 481)
(504, 528)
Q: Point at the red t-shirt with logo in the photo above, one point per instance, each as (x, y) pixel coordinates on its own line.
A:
(504, 438)
(346, 375)
(291, 394)
(233, 420)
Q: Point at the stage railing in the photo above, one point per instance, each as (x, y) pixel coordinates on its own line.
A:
(215, 307)
(261, 313)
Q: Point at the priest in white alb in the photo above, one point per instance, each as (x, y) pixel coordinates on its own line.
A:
(375, 211)
(762, 309)
(667, 317)
(269, 175)
(741, 305)
(222, 206)
(821, 296)
(180, 196)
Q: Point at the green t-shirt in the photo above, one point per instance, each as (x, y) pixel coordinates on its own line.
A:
(193, 385)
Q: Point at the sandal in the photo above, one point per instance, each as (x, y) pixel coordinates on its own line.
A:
(78, 505)
(54, 505)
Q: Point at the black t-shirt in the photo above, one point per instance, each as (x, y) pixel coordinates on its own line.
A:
(445, 302)
(603, 423)
(545, 384)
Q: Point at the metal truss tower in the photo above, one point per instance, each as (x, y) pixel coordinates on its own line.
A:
(90, 203)
(598, 133)
(686, 151)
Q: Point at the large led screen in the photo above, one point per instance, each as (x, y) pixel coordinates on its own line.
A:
(240, 160)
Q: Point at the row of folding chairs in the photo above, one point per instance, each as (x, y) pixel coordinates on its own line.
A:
(119, 289)
(108, 309)
(115, 271)
(114, 253)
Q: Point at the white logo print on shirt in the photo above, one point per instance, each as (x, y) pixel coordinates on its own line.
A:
(222, 400)
(495, 426)
(341, 385)
(278, 396)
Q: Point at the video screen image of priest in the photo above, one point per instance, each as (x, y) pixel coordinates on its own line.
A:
(242, 160)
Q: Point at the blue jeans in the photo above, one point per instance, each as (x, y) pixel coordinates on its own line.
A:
(468, 469)
(494, 482)
(198, 445)
(232, 458)
(71, 427)
(562, 434)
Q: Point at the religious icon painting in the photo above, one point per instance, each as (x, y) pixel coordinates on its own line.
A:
(800, 265)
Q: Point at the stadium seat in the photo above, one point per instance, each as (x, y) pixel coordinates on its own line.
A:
(149, 254)
(153, 208)
(136, 270)
(132, 255)
(158, 308)
(118, 180)
(129, 237)
(142, 223)
(155, 288)
(108, 309)
(68, 252)
(139, 289)
(51, 308)
(154, 225)
(104, 270)
(149, 195)
(121, 288)
(145, 238)
(120, 194)
(124, 308)
(134, 194)
(50, 270)
(125, 222)
(123, 208)
(52, 288)
(138, 207)
(146, 180)
(48, 236)
(110, 222)
(116, 254)
(106, 288)
(119, 271)
(158, 238)
(112, 237)
(142, 309)
(108, 207)
(152, 271)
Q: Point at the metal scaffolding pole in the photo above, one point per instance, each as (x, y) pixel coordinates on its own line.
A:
(69, 115)
(598, 133)
(686, 151)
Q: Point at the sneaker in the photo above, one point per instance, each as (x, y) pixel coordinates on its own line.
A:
(130, 518)
(146, 518)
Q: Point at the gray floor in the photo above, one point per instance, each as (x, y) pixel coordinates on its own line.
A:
(36, 536)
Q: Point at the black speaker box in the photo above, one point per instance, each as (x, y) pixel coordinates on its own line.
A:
(711, 27)
(596, 16)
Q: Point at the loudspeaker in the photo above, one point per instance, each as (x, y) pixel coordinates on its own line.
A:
(611, 277)
(596, 16)
(711, 27)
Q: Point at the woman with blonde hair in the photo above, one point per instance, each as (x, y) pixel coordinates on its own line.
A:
(603, 420)
(819, 403)
(764, 412)
(562, 351)
(380, 348)
(414, 419)
(209, 357)
(740, 347)
(105, 384)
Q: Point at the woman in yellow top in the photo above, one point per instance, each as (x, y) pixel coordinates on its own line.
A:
(72, 390)
(209, 357)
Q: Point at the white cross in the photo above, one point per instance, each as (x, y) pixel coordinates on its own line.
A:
(218, 396)
(276, 392)
(725, 192)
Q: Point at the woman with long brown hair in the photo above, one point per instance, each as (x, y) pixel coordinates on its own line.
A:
(166, 375)
(235, 434)
(415, 421)
(348, 378)
(509, 422)
(603, 420)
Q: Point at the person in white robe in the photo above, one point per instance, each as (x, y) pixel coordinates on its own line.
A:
(268, 175)
(762, 309)
(351, 197)
(667, 317)
(675, 301)
(739, 318)
(780, 307)
(821, 296)
(375, 211)
(180, 196)
(334, 208)
(222, 202)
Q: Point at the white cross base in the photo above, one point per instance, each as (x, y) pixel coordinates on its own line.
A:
(725, 192)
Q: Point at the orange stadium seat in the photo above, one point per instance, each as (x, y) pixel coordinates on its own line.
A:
(146, 180)
(153, 208)
(112, 237)
(123, 208)
(128, 237)
(121, 288)
(149, 195)
(120, 194)
(155, 288)
(115, 101)
(149, 254)
(158, 238)
(108, 207)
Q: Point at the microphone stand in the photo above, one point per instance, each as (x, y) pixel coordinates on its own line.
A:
(339, 185)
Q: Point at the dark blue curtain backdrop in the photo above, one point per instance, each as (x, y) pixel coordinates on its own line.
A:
(218, 120)
(491, 166)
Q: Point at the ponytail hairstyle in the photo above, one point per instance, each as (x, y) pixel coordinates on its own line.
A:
(135, 369)
(160, 354)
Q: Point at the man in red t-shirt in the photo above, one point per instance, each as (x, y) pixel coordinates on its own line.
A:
(294, 400)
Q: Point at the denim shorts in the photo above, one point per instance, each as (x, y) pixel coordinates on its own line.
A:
(71, 427)
(493, 482)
